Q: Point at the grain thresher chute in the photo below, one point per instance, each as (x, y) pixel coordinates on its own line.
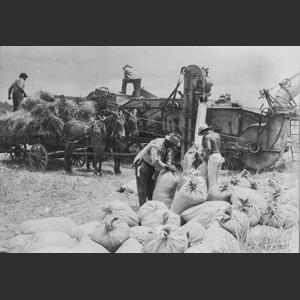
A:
(262, 145)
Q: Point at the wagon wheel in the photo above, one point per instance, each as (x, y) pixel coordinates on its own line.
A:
(18, 152)
(38, 157)
(78, 160)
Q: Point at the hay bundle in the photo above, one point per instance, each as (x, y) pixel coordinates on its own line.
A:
(43, 116)
(29, 103)
(15, 124)
(73, 111)
(46, 120)
(48, 97)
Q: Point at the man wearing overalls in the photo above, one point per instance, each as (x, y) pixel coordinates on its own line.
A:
(17, 89)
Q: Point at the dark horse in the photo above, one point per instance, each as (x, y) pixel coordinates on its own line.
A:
(122, 146)
(132, 133)
(95, 135)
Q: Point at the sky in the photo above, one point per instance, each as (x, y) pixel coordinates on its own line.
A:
(240, 71)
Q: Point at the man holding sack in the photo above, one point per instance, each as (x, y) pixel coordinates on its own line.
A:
(212, 158)
(156, 156)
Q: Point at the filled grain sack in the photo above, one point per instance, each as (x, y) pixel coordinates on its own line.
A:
(290, 215)
(80, 231)
(252, 195)
(121, 209)
(27, 243)
(241, 179)
(191, 193)
(62, 224)
(53, 249)
(267, 186)
(265, 190)
(218, 240)
(244, 178)
(139, 233)
(111, 233)
(191, 159)
(87, 245)
(149, 207)
(251, 210)
(280, 216)
(280, 196)
(165, 187)
(161, 217)
(194, 232)
(264, 235)
(194, 249)
(206, 212)
(236, 223)
(220, 192)
(273, 217)
(190, 175)
(166, 240)
(131, 245)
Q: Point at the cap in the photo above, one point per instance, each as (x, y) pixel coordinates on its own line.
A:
(127, 66)
(203, 127)
(23, 75)
(174, 138)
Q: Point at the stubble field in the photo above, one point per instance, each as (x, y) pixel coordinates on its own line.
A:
(28, 194)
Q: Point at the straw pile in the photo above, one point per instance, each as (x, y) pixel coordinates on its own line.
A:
(46, 117)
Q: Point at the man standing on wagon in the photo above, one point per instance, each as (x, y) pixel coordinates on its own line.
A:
(155, 157)
(17, 90)
(212, 158)
(131, 76)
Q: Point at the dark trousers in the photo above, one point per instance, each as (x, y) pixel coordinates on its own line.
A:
(136, 85)
(17, 98)
(145, 184)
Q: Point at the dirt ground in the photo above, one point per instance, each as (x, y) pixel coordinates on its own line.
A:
(29, 194)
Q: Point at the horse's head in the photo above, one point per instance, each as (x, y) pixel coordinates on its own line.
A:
(131, 124)
(118, 123)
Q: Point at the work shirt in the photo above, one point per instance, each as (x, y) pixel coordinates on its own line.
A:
(155, 154)
(130, 73)
(17, 86)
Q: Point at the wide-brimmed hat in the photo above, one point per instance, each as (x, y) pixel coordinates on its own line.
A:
(23, 75)
(174, 138)
(127, 66)
(203, 127)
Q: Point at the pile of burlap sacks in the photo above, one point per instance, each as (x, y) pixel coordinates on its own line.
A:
(184, 218)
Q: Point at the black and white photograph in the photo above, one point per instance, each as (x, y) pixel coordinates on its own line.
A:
(149, 149)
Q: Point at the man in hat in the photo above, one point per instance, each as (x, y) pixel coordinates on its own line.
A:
(156, 156)
(17, 90)
(212, 158)
(131, 76)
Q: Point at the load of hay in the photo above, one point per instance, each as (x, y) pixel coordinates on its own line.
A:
(43, 115)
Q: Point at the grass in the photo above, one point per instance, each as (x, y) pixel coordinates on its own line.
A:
(29, 194)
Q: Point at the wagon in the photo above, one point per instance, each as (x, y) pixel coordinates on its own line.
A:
(39, 149)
